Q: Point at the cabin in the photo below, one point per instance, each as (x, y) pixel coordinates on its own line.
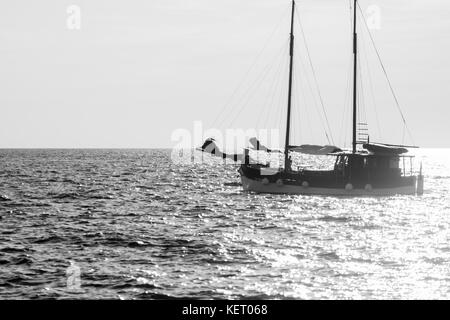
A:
(361, 168)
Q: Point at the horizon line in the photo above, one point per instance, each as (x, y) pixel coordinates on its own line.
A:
(135, 148)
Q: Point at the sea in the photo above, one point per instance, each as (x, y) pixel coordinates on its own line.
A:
(135, 224)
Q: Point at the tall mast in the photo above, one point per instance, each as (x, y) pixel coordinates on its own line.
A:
(355, 61)
(287, 163)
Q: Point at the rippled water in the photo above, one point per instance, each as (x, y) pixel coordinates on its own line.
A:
(141, 227)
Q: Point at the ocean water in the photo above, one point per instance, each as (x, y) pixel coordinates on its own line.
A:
(132, 224)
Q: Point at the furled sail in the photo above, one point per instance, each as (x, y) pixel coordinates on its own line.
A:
(256, 145)
(209, 146)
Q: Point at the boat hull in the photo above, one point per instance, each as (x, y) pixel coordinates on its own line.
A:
(262, 179)
(260, 187)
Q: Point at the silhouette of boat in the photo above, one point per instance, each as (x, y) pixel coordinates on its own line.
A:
(367, 169)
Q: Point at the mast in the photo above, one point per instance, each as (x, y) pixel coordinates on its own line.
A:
(287, 163)
(355, 61)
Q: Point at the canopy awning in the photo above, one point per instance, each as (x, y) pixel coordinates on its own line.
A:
(378, 148)
(315, 149)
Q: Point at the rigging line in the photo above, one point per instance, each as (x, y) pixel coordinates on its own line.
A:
(248, 95)
(314, 75)
(277, 94)
(272, 91)
(294, 108)
(297, 111)
(362, 108)
(248, 92)
(374, 103)
(358, 99)
(308, 119)
(294, 111)
(265, 105)
(349, 105)
(275, 111)
(272, 106)
(302, 66)
(403, 135)
(302, 97)
(346, 98)
(361, 101)
(293, 133)
(266, 109)
(282, 96)
(251, 67)
(386, 75)
(315, 78)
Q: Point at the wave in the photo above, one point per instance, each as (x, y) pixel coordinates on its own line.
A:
(49, 239)
(328, 218)
(4, 197)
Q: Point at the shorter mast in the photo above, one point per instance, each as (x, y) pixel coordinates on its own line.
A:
(287, 162)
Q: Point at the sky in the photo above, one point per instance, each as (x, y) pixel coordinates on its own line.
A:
(136, 71)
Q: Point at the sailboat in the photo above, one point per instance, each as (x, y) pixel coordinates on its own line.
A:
(367, 169)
